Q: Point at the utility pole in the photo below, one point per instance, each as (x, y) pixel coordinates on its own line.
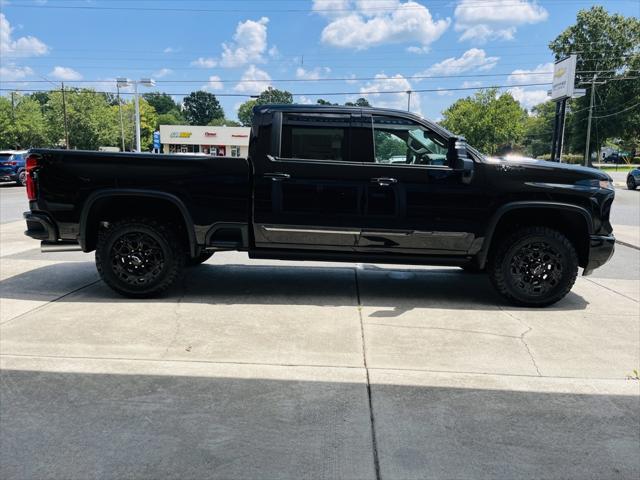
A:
(587, 156)
(408, 100)
(13, 106)
(64, 113)
(120, 112)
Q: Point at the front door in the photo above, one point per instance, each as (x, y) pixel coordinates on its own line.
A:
(309, 193)
(416, 203)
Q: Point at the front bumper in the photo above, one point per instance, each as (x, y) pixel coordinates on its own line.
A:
(601, 248)
(40, 227)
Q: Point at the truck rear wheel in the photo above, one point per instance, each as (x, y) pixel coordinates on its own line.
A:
(139, 257)
(534, 267)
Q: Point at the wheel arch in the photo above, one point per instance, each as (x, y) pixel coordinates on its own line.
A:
(573, 221)
(103, 205)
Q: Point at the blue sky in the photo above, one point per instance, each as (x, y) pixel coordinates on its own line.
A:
(309, 47)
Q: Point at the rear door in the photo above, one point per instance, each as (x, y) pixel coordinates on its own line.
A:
(309, 190)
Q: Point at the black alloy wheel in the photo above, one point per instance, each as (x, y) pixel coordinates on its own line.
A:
(534, 266)
(139, 257)
(631, 183)
(22, 178)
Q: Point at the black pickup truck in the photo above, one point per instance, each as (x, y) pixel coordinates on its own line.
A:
(327, 183)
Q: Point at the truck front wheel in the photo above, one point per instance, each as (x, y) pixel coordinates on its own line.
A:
(139, 257)
(534, 266)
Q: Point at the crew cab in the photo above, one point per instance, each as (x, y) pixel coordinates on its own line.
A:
(327, 183)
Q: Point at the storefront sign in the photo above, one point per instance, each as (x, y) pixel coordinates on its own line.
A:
(564, 73)
(180, 135)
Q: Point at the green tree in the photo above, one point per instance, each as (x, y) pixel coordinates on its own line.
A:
(322, 101)
(489, 121)
(245, 112)
(539, 129)
(91, 120)
(172, 117)
(201, 107)
(149, 121)
(274, 96)
(361, 102)
(607, 46)
(224, 122)
(162, 102)
(22, 125)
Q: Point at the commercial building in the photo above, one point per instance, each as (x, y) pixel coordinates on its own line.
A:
(218, 141)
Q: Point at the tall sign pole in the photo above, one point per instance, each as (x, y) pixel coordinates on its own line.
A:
(587, 150)
(564, 74)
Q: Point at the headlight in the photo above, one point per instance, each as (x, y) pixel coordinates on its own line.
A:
(607, 184)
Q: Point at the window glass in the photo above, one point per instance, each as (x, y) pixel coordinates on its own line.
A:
(315, 137)
(402, 141)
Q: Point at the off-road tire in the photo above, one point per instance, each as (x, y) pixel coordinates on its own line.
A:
(203, 257)
(631, 183)
(555, 257)
(166, 254)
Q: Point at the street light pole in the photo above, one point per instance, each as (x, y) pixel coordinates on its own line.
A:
(125, 82)
(120, 113)
(137, 103)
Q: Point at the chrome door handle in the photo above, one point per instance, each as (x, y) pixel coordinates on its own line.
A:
(384, 181)
(277, 176)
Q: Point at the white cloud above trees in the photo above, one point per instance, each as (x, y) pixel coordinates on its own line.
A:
(248, 46)
(483, 21)
(19, 47)
(361, 24)
(253, 81)
(65, 73)
(390, 92)
(541, 73)
(472, 59)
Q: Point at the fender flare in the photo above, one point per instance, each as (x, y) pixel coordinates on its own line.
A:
(508, 207)
(132, 192)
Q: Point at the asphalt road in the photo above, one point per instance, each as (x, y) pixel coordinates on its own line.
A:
(13, 201)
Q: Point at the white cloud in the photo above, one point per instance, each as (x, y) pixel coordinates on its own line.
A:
(542, 73)
(65, 73)
(304, 100)
(21, 47)
(351, 79)
(481, 22)
(249, 44)
(471, 84)
(14, 72)
(529, 98)
(360, 24)
(444, 93)
(418, 50)
(214, 83)
(171, 50)
(253, 81)
(390, 92)
(315, 74)
(203, 62)
(473, 59)
(163, 72)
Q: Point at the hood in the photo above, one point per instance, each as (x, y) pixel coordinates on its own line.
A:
(548, 170)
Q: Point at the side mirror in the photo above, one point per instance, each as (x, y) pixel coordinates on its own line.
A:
(459, 158)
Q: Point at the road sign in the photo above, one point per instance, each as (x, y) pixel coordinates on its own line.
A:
(156, 140)
(564, 74)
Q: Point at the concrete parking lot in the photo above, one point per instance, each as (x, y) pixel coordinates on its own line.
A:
(265, 370)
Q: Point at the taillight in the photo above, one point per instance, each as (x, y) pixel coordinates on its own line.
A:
(9, 164)
(31, 164)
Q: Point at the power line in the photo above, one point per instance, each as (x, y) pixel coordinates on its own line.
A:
(324, 94)
(619, 112)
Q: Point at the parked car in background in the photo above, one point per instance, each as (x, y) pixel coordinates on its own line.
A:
(12, 166)
(614, 158)
(633, 179)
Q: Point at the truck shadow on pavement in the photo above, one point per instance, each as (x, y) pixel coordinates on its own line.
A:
(395, 290)
(149, 422)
